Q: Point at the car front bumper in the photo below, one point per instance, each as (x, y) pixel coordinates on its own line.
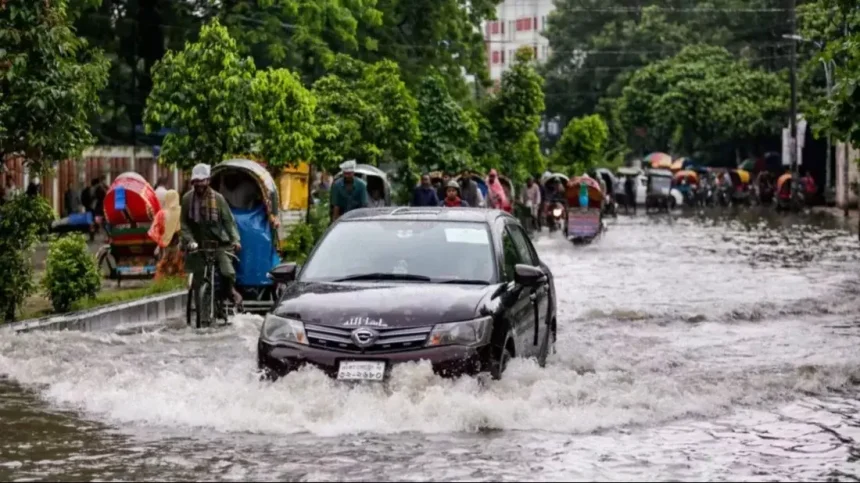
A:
(449, 361)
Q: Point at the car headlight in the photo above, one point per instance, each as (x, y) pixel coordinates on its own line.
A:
(556, 212)
(471, 332)
(280, 329)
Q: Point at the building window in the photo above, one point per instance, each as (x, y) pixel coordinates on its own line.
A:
(535, 50)
(534, 23)
(524, 24)
(503, 57)
(494, 28)
(502, 26)
(495, 56)
(543, 23)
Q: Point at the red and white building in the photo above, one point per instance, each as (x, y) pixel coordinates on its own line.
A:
(520, 24)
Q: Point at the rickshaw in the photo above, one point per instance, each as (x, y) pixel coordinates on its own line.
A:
(584, 210)
(130, 206)
(659, 194)
(659, 160)
(740, 186)
(376, 179)
(610, 206)
(508, 185)
(253, 197)
(554, 207)
(687, 182)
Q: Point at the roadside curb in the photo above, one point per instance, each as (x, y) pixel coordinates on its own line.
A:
(148, 309)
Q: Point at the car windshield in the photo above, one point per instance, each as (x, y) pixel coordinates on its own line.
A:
(661, 182)
(429, 251)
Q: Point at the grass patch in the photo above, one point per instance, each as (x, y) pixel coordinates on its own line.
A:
(155, 288)
(40, 306)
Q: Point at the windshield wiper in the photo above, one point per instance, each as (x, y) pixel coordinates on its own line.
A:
(384, 276)
(465, 281)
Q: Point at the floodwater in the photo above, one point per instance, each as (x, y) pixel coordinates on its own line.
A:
(690, 348)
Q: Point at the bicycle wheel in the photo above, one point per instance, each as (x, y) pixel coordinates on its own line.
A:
(191, 307)
(205, 304)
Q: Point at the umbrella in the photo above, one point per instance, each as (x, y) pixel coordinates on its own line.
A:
(678, 165)
(747, 165)
(659, 160)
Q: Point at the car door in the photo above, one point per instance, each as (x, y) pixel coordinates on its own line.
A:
(539, 296)
(519, 306)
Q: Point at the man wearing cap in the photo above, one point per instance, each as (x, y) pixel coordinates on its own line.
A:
(206, 217)
(347, 193)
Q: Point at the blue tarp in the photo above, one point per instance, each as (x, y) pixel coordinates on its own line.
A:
(258, 254)
(81, 219)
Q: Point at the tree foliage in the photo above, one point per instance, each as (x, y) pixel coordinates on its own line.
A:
(700, 98)
(514, 115)
(447, 131)
(283, 114)
(201, 94)
(23, 221)
(595, 45)
(582, 146)
(833, 29)
(49, 83)
(364, 112)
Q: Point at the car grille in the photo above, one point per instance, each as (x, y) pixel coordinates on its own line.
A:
(389, 340)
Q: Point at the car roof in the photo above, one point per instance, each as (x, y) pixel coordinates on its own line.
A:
(424, 213)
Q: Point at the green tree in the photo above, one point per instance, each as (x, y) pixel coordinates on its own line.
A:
(283, 111)
(447, 132)
(23, 221)
(71, 273)
(593, 44)
(426, 35)
(582, 146)
(514, 115)
(364, 112)
(700, 99)
(201, 94)
(833, 30)
(49, 84)
(302, 35)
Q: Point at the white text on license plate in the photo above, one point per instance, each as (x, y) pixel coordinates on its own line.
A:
(361, 371)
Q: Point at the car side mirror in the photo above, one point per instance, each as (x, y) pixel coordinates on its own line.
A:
(528, 275)
(284, 273)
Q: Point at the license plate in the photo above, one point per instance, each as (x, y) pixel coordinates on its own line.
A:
(361, 371)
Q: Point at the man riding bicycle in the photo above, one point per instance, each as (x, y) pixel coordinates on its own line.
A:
(208, 221)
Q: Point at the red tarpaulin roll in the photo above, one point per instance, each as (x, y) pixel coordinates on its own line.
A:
(141, 203)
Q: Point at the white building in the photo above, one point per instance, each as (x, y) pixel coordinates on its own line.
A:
(520, 23)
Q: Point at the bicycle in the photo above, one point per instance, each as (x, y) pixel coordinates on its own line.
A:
(205, 302)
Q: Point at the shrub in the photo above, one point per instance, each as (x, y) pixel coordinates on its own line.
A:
(23, 221)
(304, 236)
(71, 273)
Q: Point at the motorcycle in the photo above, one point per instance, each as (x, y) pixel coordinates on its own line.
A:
(554, 215)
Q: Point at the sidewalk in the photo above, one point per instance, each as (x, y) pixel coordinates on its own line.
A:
(837, 213)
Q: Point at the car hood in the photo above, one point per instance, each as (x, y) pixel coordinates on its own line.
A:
(377, 304)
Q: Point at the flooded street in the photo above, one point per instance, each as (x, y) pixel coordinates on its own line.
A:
(690, 348)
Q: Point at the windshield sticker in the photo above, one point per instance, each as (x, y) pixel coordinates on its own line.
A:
(364, 322)
(475, 236)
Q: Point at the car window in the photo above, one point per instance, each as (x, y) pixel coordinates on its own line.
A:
(511, 255)
(522, 244)
(440, 250)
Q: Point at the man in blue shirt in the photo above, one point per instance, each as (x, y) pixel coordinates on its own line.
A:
(425, 194)
(347, 193)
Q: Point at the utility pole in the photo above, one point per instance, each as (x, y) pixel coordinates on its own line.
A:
(795, 178)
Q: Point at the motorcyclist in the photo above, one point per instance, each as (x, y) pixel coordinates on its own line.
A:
(206, 217)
